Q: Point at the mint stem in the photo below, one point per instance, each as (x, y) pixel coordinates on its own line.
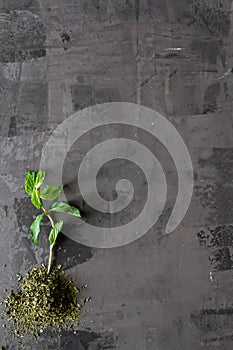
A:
(50, 258)
(51, 245)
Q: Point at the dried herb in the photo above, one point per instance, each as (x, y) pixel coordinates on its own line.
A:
(44, 301)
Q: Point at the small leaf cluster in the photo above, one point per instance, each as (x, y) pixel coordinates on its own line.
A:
(32, 186)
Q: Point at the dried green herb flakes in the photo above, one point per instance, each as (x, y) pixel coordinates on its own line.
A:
(43, 301)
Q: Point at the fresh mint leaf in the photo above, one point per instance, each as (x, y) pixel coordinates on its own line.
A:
(35, 198)
(54, 232)
(29, 182)
(51, 192)
(62, 207)
(39, 178)
(35, 228)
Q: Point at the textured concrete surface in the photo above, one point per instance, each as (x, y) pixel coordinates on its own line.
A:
(162, 292)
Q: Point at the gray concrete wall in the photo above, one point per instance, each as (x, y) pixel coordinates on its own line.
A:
(163, 291)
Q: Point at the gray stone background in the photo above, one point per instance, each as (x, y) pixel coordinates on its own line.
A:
(162, 292)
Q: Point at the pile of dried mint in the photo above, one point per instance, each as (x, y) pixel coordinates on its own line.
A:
(43, 301)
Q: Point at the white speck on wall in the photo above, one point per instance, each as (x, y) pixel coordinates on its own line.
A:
(174, 49)
(211, 276)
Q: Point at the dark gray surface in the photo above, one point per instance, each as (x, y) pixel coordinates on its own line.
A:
(162, 292)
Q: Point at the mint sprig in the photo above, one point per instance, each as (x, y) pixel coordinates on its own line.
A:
(32, 186)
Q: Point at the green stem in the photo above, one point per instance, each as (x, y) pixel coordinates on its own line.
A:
(50, 258)
(51, 246)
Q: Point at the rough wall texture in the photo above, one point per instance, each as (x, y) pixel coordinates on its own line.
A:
(162, 292)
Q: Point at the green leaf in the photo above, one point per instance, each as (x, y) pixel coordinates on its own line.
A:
(51, 192)
(29, 182)
(62, 207)
(39, 178)
(54, 232)
(36, 199)
(35, 228)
